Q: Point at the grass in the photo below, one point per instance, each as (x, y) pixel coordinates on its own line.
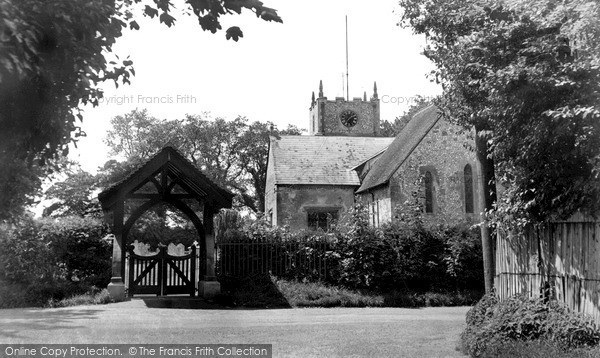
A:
(14, 295)
(93, 297)
(312, 294)
(261, 291)
(269, 292)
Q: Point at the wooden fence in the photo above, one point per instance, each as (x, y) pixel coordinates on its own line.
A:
(286, 259)
(560, 259)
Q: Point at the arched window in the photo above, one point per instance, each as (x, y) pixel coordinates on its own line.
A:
(468, 175)
(428, 192)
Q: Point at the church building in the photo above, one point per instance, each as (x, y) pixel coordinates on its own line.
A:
(315, 179)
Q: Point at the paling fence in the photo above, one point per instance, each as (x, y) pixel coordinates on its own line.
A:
(560, 259)
(300, 259)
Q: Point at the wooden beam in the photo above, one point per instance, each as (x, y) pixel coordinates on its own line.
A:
(160, 196)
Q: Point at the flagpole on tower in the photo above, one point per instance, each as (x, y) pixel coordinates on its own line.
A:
(347, 84)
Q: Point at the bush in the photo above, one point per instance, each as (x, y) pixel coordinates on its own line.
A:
(410, 254)
(258, 249)
(406, 254)
(492, 325)
(50, 259)
(537, 349)
(78, 244)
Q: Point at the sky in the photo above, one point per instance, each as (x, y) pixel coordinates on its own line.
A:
(269, 74)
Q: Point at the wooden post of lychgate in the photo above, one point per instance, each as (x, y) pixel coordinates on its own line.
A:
(192, 271)
(209, 287)
(116, 287)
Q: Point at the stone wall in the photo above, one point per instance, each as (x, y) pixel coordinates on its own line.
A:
(329, 111)
(294, 201)
(270, 190)
(445, 151)
(379, 205)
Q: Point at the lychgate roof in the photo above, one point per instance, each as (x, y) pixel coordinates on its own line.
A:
(322, 159)
(401, 148)
(179, 170)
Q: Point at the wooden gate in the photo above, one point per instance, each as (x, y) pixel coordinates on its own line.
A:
(162, 274)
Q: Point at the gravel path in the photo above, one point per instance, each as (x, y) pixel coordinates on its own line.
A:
(313, 332)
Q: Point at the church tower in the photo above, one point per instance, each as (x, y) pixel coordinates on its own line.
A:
(358, 117)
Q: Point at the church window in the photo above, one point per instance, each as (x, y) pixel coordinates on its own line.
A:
(321, 219)
(374, 211)
(468, 175)
(428, 192)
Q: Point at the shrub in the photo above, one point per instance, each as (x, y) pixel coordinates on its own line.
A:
(78, 244)
(25, 256)
(410, 254)
(492, 324)
(51, 259)
(406, 254)
(368, 260)
(259, 249)
(537, 349)
(15, 295)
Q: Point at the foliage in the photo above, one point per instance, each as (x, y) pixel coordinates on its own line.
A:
(285, 254)
(492, 324)
(537, 349)
(54, 56)
(51, 259)
(25, 256)
(77, 193)
(19, 185)
(392, 129)
(79, 248)
(15, 295)
(74, 196)
(526, 76)
(231, 153)
(407, 254)
(163, 224)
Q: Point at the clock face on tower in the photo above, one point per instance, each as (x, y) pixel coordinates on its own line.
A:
(348, 118)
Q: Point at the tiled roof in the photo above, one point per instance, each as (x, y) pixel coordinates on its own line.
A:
(179, 167)
(322, 159)
(401, 148)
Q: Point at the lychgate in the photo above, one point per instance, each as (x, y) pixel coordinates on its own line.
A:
(166, 178)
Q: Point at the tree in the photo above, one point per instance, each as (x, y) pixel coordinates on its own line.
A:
(52, 60)
(254, 159)
(389, 129)
(231, 153)
(73, 196)
(526, 76)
